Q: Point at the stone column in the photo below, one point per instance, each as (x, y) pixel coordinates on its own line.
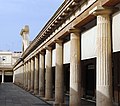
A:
(14, 76)
(36, 76)
(3, 76)
(59, 74)
(48, 89)
(32, 74)
(75, 68)
(24, 78)
(104, 58)
(26, 74)
(22, 75)
(29, 75)
(42, 74)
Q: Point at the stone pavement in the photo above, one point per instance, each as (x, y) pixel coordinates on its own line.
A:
(83, 102)
(12, 95)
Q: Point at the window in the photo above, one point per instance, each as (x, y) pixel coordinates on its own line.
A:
(3, 58)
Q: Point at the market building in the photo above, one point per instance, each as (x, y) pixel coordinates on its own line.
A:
(76, 53)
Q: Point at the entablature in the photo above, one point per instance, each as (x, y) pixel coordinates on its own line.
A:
(63, 16)
(76, 18)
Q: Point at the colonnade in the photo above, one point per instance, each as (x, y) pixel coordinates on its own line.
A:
(39, 81)
(4, 75)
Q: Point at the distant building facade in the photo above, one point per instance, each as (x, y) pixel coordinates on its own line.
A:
(77, 52)
(7, 60)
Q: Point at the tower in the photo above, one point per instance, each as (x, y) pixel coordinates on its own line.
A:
(25, 37)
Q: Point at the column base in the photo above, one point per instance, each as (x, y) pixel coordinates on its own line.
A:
(104, 95)
(59, 104)
(26, 88)
(48, 99)
(41, 94)
(36, 92)
(31, 91)
(23, 87)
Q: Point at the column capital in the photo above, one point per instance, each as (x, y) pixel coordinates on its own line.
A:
(42, 52)
(47, 47)
(58, 41)
(36, 55)
(25, 62)
(74, 30)
(100, 10)
(29, 60)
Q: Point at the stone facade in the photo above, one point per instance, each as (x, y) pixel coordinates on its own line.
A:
(74, 53)
(7, 60)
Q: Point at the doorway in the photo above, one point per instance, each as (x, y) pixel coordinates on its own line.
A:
(8, 76)
(90, 80)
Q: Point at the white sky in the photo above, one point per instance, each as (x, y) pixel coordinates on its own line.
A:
(14, 14)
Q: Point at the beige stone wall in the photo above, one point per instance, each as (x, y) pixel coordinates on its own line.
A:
(5, 58)
(8, 58)
(18, 74)
(15, 57)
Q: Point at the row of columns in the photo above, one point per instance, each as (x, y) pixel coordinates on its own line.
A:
(3, 76)
(34, 69)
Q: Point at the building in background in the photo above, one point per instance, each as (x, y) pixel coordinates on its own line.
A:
(7, 60)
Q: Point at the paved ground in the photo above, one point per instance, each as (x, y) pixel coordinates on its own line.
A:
(12, 95)
(83, 102)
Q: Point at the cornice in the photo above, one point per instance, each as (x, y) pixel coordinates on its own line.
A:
(56, 20)
(9, 67)
(64, 11)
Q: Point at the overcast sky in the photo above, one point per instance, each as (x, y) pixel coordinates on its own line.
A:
(14, 14)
